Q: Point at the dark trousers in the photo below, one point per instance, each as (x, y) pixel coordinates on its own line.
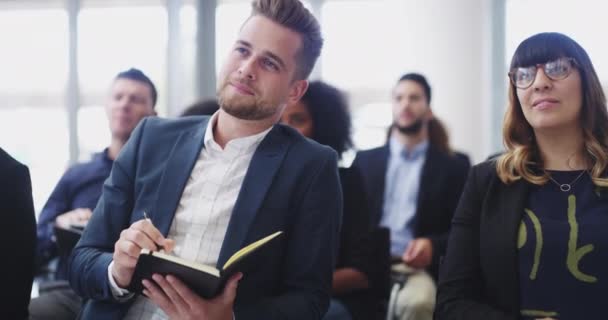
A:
(56, 301)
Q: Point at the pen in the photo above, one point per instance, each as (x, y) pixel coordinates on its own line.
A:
(160, 247)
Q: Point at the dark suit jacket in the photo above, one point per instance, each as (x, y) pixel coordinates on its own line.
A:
(356, 245)
(292, 185)
(18, 238)
(441, 183)
(479, 275)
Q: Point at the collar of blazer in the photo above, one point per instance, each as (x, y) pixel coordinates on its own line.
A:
(263, 166)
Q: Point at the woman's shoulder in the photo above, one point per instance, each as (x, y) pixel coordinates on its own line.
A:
(484, 171)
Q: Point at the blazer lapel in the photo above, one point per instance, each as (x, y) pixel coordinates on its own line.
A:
(263, 166)
(379, 183)
(512, 202)
(179, 166)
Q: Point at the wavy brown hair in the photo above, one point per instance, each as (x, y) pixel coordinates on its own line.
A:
(522, 157)
(438, 136)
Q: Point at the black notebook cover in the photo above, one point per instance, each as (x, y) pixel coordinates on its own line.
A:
(206, 284)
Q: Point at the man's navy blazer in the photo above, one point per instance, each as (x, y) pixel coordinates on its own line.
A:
(441, 183)
(291, 185)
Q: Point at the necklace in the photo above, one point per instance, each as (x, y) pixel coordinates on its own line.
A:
(565, 187)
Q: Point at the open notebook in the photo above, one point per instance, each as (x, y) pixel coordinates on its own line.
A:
(206, 281)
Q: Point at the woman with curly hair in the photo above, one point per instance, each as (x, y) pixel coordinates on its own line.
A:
(322, 115)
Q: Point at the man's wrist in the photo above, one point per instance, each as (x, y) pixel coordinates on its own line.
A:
(119, 293)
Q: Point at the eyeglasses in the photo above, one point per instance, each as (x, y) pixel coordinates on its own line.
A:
(558, 69)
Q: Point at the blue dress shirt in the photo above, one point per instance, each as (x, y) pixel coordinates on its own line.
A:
(401, 195)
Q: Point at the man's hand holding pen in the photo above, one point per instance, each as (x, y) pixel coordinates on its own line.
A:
(167, 292)
(140, 235)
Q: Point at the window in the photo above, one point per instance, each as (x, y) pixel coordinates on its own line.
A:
(361, 56)
(136, 37)
(33, 121)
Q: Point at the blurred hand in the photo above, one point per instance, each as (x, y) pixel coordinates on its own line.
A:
(140, 235)
(78, 216)
(179, 302)
(419, 253)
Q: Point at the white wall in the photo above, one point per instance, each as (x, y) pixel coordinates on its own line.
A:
(451, 42)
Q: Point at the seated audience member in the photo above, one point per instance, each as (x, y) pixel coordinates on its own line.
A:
(322, 115)
(414, 183)
(132, 96)
(212, 185)
(529, 234)
(17, 239)
(202, 108)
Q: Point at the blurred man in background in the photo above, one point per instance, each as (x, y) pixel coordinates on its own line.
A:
(132, 97)
(414, 183)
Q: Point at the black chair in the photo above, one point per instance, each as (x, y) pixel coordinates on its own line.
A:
(380, 277)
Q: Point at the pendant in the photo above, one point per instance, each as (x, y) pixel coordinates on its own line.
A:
(565, 187)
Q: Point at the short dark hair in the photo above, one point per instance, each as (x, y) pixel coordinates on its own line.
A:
(294, 16)
(330, 115)
(421, 80)
(201, 108)
(137, 75)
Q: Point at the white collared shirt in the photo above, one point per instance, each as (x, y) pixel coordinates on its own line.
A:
(204, 210)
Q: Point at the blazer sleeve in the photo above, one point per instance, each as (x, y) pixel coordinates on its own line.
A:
(57, 204)
(89, 261)
(311, 252)
(460, 289)
(18, 242)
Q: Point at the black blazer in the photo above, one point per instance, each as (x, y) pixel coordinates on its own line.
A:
(18, 238)
(355, 250)
(443, 178)
(479, 276)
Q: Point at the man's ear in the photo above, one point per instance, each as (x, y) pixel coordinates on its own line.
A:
(429, 114)
(297, 90)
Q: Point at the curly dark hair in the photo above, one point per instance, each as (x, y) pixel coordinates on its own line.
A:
(330, 115)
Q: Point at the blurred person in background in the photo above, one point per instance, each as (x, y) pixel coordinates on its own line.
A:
(322, 115)
(528, 240)
(132, 96)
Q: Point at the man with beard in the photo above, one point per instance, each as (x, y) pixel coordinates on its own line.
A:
(212, 185)
(131, 97)
(413, 184)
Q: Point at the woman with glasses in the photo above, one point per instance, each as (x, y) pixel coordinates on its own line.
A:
(528, 239)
